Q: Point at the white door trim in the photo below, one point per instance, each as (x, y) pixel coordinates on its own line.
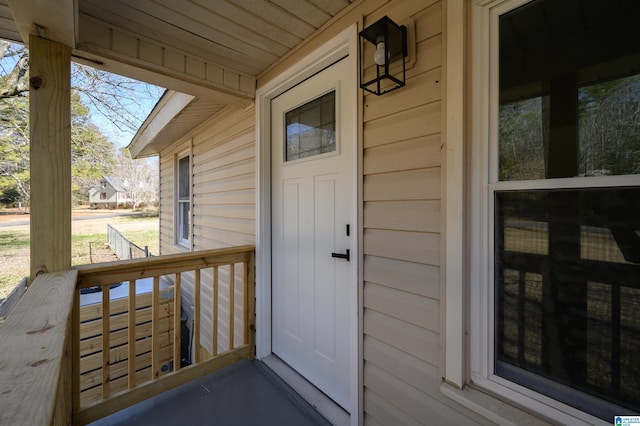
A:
(344, 44)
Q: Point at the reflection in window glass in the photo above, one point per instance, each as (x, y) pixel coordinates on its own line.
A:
(183, 228)
(609, 127)
(183, 179)
(570, 313)
(521, 146)
(608, 133)
(311, 128)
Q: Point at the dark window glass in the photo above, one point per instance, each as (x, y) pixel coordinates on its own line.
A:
(311, 128)
(184, 189)
(184, 221)
(184, 200)
(567, 261)
(567, 277)
(569, 90)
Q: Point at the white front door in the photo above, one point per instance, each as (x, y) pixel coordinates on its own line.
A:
(313, 228)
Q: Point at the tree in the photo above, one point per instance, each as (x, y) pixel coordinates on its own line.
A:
(14, 148)
(117, 98)
(139, 177)
(92, 154)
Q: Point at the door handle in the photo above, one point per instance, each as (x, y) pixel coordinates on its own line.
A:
(345, 256)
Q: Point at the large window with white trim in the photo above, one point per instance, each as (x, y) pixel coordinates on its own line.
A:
(562, 204)
(183, 201)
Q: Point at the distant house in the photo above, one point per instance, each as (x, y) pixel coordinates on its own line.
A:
(110, 193)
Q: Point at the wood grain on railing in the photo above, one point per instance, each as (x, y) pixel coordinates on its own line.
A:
(36, 364)
(176, 321)
(129, 350)
(232, 292)
(196, 316)
(131, 356)
(214, 314)
(106, 346)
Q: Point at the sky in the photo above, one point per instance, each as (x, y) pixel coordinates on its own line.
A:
(119, 137)
(146, 100)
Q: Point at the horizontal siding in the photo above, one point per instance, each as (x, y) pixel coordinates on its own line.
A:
(419, 153)
(405, 215)
(420, 311)
(420, 184)
(223, 194)
(224, 208)
(396, 402)
(410, 124)
(402, 223)
(412, 339)
(409, 277)
(415, 376)
(402, 180)
(416, 247)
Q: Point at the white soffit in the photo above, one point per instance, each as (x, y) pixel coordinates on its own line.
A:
(175, 115)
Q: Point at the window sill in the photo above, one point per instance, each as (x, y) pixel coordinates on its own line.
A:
(496, 410)
(183, 248)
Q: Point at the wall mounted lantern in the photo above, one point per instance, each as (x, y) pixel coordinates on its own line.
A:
(383, 47)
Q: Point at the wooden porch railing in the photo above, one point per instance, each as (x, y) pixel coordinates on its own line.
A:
(62, 363)
(127, 350)
(35, 361)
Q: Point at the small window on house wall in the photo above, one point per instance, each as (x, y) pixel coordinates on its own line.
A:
(103, 195)
(183, 201)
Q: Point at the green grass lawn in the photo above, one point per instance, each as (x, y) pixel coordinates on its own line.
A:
(88, 245)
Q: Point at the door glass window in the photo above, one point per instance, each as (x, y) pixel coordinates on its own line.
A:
(311, 128)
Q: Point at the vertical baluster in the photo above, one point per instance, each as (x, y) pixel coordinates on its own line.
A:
(176, 322)
(106, 350)
(214, 313)
(75, 362)
(155, 328)
(132, 334)
(245, 302)
(196, 318)
(231, 303)
(250, 324)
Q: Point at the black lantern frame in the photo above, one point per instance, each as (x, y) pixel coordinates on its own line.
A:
(376, 77)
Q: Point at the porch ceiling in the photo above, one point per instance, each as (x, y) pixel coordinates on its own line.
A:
(210, 48)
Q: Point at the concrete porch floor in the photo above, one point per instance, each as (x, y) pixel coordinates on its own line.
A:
(245, 393)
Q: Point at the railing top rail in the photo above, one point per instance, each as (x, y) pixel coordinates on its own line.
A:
(125, 270)
(34, 355)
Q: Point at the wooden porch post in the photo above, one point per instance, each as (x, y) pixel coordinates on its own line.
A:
(50, 131)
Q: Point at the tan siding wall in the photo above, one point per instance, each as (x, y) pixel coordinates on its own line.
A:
(224, 207)
(223, 190)
(402, 175)
(402, 227)
(402, 201)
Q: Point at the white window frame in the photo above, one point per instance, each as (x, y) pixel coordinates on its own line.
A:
(180, 241)
(477, 376)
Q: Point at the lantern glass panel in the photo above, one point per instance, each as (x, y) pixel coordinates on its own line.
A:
(390, 75)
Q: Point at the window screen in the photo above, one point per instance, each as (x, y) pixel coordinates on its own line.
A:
(568, 290)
